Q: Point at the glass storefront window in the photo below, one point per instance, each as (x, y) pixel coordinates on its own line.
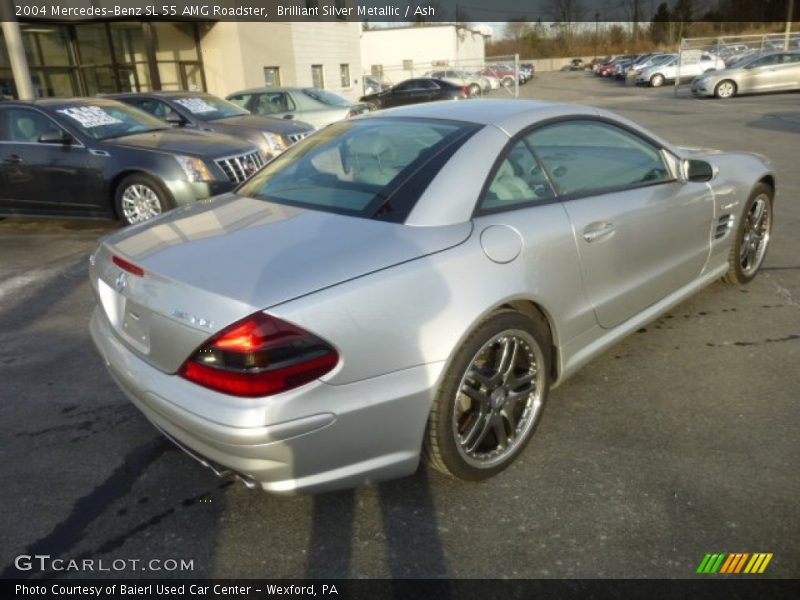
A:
(46, 45)
(53, 82)
(128, 41)
(93, 44)
(170, 77)
(175, 42)
(99, 80)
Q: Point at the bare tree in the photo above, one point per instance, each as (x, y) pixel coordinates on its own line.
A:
(566, 13)
(517, 29)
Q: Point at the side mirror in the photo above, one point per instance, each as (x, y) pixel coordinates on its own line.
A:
(55, 137)
(175, 119)
(698, 170)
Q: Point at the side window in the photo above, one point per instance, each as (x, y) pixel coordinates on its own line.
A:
(519, 181)
(272, 103)
(154, 107)
(585, 157)
(241, 100)
(26, 125)
(406, 85)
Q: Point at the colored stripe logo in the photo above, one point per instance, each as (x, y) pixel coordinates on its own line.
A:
(734, 563)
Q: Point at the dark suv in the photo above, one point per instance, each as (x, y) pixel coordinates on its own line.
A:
(94, 157)
(203, 111)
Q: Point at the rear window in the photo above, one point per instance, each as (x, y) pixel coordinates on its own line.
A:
(357, 167)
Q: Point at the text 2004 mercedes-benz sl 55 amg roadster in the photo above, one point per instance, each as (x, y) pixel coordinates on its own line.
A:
(412, 283)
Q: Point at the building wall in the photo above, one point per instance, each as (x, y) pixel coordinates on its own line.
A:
(331, 45)
(235, 54)
(428, 48)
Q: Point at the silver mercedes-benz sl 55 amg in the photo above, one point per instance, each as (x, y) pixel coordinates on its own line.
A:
(412, 283)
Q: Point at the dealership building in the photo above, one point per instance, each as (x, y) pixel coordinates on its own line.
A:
(87, 58)
(83, 58)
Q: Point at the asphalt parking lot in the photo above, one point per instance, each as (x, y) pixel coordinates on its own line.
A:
(681, 440)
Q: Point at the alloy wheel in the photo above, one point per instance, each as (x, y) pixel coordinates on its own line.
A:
(139, 203)
(499, 399)
(725, 89)
(755, 239)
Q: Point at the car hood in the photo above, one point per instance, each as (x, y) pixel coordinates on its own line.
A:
(233, 255)
(234, 125)
(179, 141)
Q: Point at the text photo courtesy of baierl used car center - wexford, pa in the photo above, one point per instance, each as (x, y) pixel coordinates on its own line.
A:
(391, 299)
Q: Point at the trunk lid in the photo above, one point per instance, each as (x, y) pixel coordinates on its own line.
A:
(211, 264)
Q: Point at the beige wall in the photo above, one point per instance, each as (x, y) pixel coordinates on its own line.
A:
(331, 45)
(423, 46)
(235, 54)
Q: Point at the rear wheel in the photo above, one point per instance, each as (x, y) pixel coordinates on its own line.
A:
(752, 236)
(474, 89)
(139, 197)
(508, 81)
(491, 398)
(657, 80)
(725, 89)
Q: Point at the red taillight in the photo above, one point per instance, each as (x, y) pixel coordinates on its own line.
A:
(260, 355)
(465, 91)
(126, 266)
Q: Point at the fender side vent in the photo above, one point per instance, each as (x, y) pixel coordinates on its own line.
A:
(724, 225)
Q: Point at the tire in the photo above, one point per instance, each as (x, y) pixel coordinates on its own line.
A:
(657, 80)
(468, 434)
(139, 197)
(725, 89)
(752, 237)
(474, 89)
(508, 81)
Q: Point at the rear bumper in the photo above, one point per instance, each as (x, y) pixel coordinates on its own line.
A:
(316, 438)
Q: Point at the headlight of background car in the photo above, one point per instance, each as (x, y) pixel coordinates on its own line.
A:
(275, 142)
(195, 168)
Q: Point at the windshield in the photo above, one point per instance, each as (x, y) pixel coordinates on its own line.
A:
(105, 121)
(326, 97)
(209, 108)
(352, 167)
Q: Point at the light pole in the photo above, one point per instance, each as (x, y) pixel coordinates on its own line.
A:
(788, 25)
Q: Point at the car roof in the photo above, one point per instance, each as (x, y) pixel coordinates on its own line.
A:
(160, 93)
(271, 89)
(52, 102)
(509, 115)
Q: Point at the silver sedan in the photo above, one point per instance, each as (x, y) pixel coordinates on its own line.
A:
(412, 283)
(772, 72)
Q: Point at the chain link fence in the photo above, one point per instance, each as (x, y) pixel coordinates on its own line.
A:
(479, 77)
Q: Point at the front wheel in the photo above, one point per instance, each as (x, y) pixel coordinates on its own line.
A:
(491, 398)
(139, 198)
(752, 236)
(725, 89)
(657, 80)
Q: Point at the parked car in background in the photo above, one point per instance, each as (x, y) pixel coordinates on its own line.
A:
(474, 84)
(576, 64)
(310, 105)
(650, 60)
(372, 85)
(413, 91)
(658, 75)
(505, 73)
(210, 113)
(607, 69)
(772, 72)
(493, 246)
(528, 69)
(96, 157)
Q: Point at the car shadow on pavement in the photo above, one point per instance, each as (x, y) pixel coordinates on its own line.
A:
(408, 519)
(787, 122)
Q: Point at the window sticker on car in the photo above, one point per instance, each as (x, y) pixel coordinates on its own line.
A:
(195, 105)
(89, 116)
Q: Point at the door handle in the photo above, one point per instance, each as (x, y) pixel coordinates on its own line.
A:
(14, 159)
(597, 231)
